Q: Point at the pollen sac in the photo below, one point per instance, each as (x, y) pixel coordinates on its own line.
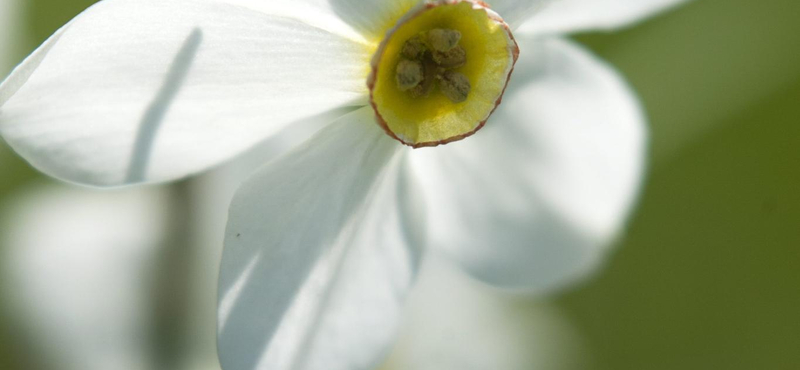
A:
(409, 74)
(424, 88)
(414, 48)
(455, 86)
(454, 58)
(443, 40)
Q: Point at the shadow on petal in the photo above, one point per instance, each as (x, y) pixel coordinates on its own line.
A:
(155, 113)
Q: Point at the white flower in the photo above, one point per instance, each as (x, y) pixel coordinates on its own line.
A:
(55, 259)
(82, 292)
(322, 244)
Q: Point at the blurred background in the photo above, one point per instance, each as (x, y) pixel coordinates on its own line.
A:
(706, 276)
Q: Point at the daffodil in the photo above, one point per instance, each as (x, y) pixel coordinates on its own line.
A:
(473, 128)
(55, 259)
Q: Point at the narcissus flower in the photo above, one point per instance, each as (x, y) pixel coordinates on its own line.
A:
(529, 150)
(79, 291)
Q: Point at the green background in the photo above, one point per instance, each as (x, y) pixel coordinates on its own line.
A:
(707, 275)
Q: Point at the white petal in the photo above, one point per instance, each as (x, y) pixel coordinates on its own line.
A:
(211, 195)
(82, 290)
(514, 12)
(317, 254)
(150, 90)
(371, 18)
(532, 201)
(580, 15)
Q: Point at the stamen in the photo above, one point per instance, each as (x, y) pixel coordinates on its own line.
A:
(428, 57)
(455, 86)
(409, 74)
(454, 58)
(443, 39)
(415, 48)
(428, 82)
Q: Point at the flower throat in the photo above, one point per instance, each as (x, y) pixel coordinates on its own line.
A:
(441, 71)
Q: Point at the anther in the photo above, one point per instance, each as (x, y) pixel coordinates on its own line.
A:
(454, 58)
(454, 85)
(409, 74)
(414, 48)
(443, 39)
(425, 87)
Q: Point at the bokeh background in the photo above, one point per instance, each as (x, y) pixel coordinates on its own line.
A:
(707, 276)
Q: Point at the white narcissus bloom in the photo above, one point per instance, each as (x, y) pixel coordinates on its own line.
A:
(80, 290)
(322, 243)
(61, 245)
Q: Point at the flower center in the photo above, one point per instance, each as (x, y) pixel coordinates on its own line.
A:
(441, 71)
(432, 56)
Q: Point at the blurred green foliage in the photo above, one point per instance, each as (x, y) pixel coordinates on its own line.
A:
(707, 274)
(707, 277)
